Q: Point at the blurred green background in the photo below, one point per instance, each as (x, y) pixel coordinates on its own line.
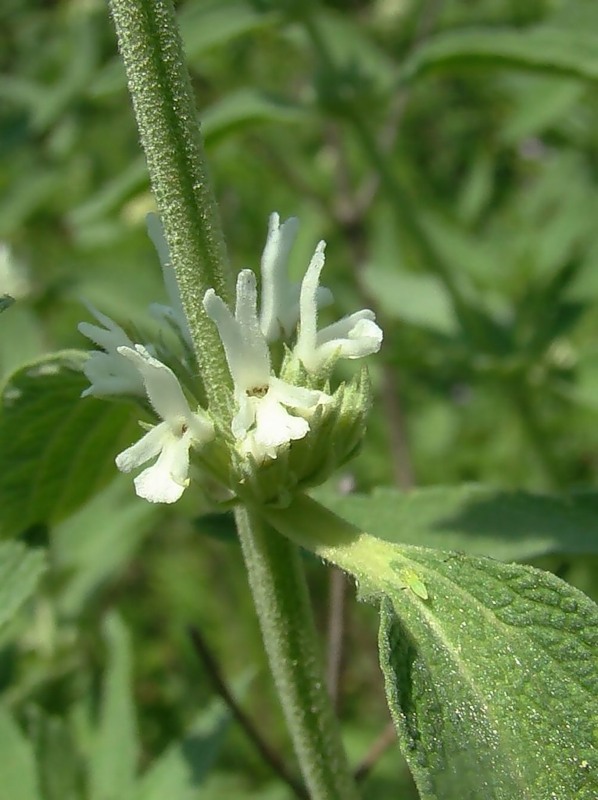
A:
(448, 153)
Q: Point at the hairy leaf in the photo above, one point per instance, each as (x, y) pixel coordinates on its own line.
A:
(491, 679)
(56, 449)
(491, 669)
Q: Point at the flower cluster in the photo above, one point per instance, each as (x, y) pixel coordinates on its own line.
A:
(270, 411)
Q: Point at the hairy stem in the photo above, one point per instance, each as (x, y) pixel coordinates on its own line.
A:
(159, 84)
(280, 594)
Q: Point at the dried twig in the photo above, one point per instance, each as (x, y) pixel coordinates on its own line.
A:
(378, 748)
(269, 755)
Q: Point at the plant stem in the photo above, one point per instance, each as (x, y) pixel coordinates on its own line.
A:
(280, 594)
(159, 84)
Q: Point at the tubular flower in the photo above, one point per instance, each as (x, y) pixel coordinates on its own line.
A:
(171, 439)
(108, 372)
(279, 310)
(354, 336)
(262, 423)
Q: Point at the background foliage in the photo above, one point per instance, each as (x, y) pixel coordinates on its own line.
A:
(475, 240)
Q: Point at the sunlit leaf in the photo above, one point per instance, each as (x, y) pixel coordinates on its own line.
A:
(491, 669)
(510, 526)
(491, 679)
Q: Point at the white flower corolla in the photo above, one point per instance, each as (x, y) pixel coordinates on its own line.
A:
(174, 312)
(107, 371)
(171, 439)
(262, 423)
(279, 309)
(354, 336)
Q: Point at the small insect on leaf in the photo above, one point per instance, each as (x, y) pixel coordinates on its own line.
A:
(413, 581)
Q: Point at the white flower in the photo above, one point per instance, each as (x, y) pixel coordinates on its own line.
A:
(262, 423)
(279, 309)
(353, 336)
(106, 370)
(174, 313)
(170, 440)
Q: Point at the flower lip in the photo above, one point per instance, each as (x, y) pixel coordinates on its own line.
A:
(279, 296)
(170, 440)
(244, 344)
(262, 423)
(354, 336)
(106, 370)
(279, 309)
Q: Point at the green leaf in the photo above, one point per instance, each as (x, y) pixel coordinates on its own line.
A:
(113, 760)
(185, 765)
(20, 571)
(204, 26)
(215, 23)
(509, 526)
(246, 107)
(21, 339)
(59, 766)
(96, 542)
(18, 773)
(491, 681)
(56, 449)
(409, 297)
(541, 49)
(491, 670)
(353, 51)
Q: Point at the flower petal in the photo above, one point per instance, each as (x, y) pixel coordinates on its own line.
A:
(355, 336)
(297, 396)
(245, 416)
(279, 310)
(147, 447)
(275, 426)
(109, 339)
(308, 306)
(244, 344)
(111, 374)
(161, 384)
(166, 480)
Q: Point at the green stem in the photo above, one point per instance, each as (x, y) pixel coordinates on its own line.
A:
(159, 84)
(319, 530)
(281, 598)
